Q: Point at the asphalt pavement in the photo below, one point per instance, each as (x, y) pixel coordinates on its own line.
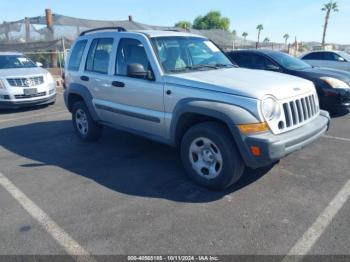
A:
(127, 195)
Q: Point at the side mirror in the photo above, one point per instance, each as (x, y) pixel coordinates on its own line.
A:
(138, 71)
(272, 67)
(341, 59)
(38, 64)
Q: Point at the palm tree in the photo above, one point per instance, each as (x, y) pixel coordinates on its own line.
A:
(328, 8)
(286, 37)
(259, 28)
(245, 34)
(234, 33)
(266, 41)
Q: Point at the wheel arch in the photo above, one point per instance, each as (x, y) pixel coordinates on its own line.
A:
(77, 92)
(189, 112)
(207, 110)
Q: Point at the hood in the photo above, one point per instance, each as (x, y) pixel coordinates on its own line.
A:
(22, 72)
(244, 82)
(317, 72)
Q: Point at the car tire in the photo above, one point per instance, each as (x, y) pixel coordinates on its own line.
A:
(86, 128)
(210, 156)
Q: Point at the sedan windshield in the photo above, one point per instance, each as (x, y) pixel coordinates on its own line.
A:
(289, 62)
(15, 61)
(181, 54)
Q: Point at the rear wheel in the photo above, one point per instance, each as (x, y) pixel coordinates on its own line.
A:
(86, 128)
(210, 156)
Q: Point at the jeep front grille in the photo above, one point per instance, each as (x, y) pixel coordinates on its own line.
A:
(300, 110)
(26, 82)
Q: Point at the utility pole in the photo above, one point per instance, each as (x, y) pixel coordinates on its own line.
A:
(49, 25)
(64, 47)
(64, 56)
(7, 30)
(27, 26)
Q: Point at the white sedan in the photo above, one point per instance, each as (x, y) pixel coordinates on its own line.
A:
(331, 59)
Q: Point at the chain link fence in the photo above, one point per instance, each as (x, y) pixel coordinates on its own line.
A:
(45, 39)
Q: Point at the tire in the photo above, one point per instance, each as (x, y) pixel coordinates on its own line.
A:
(85, 127)
(210, 156)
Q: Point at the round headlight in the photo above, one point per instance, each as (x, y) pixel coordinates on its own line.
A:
(270, 108)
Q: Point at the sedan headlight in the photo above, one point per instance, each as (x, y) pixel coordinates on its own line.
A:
(335, 83)
(270, 108)
(2, 84)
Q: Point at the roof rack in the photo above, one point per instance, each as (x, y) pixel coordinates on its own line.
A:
(118, 28)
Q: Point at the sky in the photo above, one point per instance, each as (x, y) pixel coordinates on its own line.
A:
(299, 18)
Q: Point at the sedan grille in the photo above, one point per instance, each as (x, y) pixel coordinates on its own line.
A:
(300, 110)
(30, 96)
(26, 82)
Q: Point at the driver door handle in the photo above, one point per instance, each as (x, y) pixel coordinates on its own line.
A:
(118, 84)
(84, 78)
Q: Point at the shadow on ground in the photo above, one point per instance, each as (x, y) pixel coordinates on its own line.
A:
(21, 110)
(335, 113)
(120, 161)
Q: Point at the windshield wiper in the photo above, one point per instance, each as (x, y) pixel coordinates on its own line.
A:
(188, 68)
(204, 66)
(195, 67)
(181, 69)
(225, 65)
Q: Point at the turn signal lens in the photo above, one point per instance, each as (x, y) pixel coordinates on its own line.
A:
(253, 128)
(255, 150)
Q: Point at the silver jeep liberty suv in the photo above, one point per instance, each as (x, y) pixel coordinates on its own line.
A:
(180, 89)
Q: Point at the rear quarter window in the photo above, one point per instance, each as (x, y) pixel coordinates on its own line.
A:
(76, 56)
(315, 56)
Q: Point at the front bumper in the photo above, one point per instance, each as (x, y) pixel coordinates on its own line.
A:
(335, 98)
(274, 147)
(27, 103)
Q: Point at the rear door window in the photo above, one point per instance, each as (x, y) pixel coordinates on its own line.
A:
(315, 56)
(77, 54)
(99, 55)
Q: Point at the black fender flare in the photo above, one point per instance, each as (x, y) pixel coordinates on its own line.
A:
(231, 115)
(84, 93)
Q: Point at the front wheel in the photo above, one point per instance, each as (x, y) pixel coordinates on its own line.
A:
(210, 156)
(86, 128)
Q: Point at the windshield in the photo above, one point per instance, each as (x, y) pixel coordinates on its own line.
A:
(181, 54)
(15, 61)
(288, 61)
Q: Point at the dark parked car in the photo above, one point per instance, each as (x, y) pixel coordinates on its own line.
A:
(333, 86)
